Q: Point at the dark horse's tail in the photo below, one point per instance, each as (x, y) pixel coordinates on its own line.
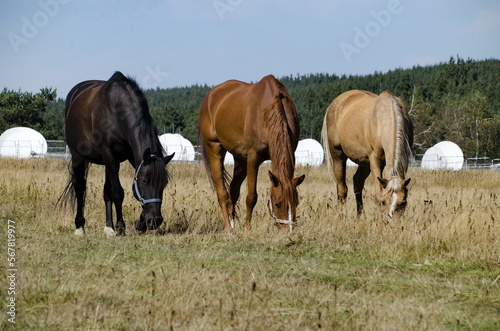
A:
(69, 193)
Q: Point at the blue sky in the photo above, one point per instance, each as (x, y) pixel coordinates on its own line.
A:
(169, 43)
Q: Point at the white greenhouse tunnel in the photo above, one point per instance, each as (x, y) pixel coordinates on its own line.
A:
(175, 143)
(22, 142)
(443, 155)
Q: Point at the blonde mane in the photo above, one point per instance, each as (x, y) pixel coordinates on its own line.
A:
(402, 150)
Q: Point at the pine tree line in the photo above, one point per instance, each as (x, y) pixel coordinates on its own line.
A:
(458, 101)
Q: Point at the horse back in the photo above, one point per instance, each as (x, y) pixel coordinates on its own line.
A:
(80, 92)
(351, 120)
(234, 114)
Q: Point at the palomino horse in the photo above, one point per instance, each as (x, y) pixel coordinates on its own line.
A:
(108, 122)
(254, 122)
(376, 133)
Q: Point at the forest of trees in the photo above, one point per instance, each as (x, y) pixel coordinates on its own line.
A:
(458, 101)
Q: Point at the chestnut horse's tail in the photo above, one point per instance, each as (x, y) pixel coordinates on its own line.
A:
(326, 144)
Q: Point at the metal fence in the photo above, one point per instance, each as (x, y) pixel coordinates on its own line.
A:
(58, 148)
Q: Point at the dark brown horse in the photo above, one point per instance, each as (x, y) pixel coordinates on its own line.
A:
(108, 122)
(254, 122)
(376, 133)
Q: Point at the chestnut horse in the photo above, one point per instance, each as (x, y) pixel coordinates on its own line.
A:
(108, 122)
(254, 122)
(376, 133)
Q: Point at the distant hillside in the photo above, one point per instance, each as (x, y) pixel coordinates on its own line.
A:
(458, 101)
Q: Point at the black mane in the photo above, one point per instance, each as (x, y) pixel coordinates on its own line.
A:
(143, 125)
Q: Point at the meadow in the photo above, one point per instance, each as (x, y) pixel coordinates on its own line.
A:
(437, 267)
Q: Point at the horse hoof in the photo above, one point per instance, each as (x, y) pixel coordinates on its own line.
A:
(80, 232)
(120, 231)
(109, 232)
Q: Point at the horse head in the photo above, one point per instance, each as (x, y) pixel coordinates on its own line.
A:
(394, 194)
(150, 180)
(283, 200)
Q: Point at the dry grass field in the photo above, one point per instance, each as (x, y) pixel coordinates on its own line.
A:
(435, 268)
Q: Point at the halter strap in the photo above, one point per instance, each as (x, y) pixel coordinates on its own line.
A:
(136, 187)
(277, 220)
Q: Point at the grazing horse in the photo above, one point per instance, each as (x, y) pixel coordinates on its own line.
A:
(254, 122)
(108, 122)
(376, 133)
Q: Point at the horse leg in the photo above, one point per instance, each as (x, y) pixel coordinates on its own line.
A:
(79, 182)
(252, 172)
(239, 175)
(339, 171)
(113, 194)
(359, 182)
(216, 159)
(376, 169)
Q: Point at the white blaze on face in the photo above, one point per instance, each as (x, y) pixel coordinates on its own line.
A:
(290, 221)
(393, 204)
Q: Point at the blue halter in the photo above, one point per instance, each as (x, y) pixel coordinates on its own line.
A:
(136, 188)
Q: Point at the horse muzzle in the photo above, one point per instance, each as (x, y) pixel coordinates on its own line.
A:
(148, 224)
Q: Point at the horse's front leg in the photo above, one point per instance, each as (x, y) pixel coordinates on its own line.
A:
(113, 194)
(359, 182)
(376, 170)
(252, 173)
(239, 175)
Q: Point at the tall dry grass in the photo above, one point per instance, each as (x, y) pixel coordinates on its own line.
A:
(436, 267)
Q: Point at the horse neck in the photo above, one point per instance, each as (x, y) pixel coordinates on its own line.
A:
(280, 143)
(401, 147)
(141, 140)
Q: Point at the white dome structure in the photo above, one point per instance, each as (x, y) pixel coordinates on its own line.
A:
(229, 159)
(443, 155)
(309, 152)
(351, 163)
(175, 143)
(22, 142)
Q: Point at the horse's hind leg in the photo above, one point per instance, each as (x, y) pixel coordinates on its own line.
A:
(359, 182)
(339, 171)
(79, 182)
(216, 159)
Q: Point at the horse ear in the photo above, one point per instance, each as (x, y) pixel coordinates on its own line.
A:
(406, 182)
(168, 158)
(383, 182)
(298, 180)
(274, 179)
(146, 154)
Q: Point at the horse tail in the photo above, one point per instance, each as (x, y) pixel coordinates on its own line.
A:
(326, 143)
(69, 193)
